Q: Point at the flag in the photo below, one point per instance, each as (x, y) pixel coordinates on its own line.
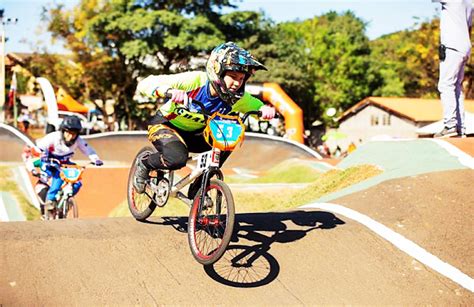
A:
(11, 93)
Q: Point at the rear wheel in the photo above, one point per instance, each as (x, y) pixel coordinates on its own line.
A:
(210, 224)
(141, 205)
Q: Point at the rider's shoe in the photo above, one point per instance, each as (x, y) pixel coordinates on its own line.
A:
(141, 177)
(446, 133)
(50, 205)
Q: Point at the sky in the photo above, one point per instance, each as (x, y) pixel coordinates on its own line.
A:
(383, 17)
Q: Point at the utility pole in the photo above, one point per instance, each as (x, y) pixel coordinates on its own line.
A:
(2, 63)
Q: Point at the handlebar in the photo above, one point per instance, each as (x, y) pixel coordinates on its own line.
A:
(57, 163)
(206, 114)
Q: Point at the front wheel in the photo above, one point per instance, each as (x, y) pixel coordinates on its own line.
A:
(141, 205)
(72, 209)
(211, 222)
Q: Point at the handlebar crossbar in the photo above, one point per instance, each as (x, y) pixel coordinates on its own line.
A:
(207, 114)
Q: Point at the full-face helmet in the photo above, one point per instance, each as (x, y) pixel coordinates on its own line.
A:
(72, 124)
(230, 57)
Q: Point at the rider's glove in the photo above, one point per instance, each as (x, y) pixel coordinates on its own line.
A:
(178, 96)
(35, 173)
(98, 162)
(267, 112)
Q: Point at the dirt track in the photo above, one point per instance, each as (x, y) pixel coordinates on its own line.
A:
(304, 258)
(301, 257)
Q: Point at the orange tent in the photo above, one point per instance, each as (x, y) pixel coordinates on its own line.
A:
(67, 103)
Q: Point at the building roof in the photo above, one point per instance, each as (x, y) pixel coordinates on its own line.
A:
(415, 109)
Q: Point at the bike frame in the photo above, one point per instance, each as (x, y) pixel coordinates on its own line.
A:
(67, 189)
(66, 193)
(212, 209)
(207, 162)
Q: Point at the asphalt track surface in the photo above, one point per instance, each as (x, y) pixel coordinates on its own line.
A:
(299, 257)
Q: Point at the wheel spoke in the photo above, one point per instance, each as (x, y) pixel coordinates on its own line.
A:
(210, 233)
(141, 205)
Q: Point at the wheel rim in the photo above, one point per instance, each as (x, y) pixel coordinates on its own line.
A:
(162, 192)
(209, 225)
(140, 202)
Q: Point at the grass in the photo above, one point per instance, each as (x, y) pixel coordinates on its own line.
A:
(276, 199)
(290, 171)
(331, 181)
(7, 185)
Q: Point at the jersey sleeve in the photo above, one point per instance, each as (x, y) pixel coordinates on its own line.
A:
(247, 103)
(86, 149)
(155, 86)
(44, 143)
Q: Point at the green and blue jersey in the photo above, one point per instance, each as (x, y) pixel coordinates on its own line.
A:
(197, 87)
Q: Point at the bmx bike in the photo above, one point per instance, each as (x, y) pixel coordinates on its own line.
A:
(66, 204)
(212, 210)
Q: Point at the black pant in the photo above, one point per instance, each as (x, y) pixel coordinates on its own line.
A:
(173, 145)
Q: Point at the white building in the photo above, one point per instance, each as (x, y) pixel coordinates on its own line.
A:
(394, 117)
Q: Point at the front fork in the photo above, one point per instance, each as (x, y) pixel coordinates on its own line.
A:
(212, 171)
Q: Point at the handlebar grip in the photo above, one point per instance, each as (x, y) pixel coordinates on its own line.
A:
(186, 101)
(168, 95)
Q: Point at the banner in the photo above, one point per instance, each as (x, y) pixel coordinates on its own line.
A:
(11, 93)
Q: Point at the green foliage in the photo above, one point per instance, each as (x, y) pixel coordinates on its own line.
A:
(10, 186)
(116, 42)
(409, 63)
(322, 62)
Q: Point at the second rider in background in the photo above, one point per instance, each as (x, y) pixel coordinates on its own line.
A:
(174, 131)
(61, 145)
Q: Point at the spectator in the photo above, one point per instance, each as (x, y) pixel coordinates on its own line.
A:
(454, 51)
(25, 120)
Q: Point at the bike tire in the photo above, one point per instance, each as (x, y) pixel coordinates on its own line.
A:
(209, 231)
(141, 206)
(73, 210)
(49, 215)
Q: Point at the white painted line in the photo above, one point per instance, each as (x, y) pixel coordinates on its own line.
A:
(114, 133)
(19, 134)
(244, 173)
(402, 243)
(3, 212)
(463, 157)
(29, 187)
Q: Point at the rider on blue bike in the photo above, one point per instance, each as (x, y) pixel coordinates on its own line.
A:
(175, 131)
(61, 145)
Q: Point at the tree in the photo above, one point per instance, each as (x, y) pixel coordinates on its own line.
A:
(323, 62)
(116, 42)
(409, 61)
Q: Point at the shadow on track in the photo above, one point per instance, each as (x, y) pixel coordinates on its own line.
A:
(251, 265)
(248, 265)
